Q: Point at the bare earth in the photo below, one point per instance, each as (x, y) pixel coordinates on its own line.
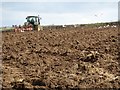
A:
(61, 59)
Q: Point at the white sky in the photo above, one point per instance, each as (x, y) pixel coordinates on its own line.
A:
(60, 0)
(60, 12)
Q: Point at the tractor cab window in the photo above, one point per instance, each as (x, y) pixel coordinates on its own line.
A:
(28, 20)
(32, 21)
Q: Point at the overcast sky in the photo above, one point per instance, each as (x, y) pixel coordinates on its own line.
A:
(59, 12)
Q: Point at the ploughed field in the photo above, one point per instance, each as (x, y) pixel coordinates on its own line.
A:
(61, 59)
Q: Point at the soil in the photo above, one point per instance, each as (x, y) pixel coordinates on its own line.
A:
(61, 59)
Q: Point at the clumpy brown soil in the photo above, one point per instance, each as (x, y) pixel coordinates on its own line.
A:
(61, 59)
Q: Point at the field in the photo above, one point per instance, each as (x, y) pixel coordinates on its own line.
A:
(61, 59)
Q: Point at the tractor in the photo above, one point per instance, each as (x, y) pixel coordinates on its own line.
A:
(32, 24)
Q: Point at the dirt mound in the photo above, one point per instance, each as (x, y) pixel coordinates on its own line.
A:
(61, 59)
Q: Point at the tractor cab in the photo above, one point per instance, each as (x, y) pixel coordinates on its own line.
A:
(34, 21)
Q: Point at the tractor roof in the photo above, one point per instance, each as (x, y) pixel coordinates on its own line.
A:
(31, 16)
